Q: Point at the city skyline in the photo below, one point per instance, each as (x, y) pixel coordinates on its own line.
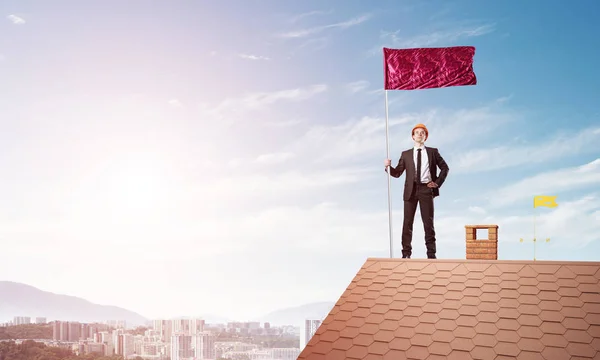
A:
(210, 319)
(177, 339)
(220, 158)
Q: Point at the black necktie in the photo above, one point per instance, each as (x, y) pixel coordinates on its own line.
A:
(418, 166)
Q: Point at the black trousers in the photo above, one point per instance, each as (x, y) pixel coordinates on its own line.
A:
(423, 196)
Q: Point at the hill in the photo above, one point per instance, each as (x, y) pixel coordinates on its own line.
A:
(18, 299)
(30, 349)
(296, 315)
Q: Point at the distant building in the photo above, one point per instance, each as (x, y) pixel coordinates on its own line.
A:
(74, 331)
(285, 353)
(204, 346)
(56, 331)
(163, 327)
(125, 345)
(97, 348)
(117, 324)
(86, 332)
(180, 326)
(40, 320)
(181, 347)
(196, 326)
(308, 329)
(21, 320)
(166, 328)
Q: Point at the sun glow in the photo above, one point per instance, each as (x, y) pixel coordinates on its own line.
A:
(136, 191)
(133, 189)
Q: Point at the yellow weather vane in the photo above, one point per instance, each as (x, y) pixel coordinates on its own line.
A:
(541, 200)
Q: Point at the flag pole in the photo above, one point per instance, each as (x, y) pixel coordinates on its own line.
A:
(389, 176)
(534, 238)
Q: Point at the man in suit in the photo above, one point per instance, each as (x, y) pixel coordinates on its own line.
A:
(421, 186)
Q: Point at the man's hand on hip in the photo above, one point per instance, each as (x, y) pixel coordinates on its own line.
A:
(431, 184)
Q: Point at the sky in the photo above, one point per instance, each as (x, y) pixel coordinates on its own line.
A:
(187, 158)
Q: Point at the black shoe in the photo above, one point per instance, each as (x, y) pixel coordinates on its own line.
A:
(406, 256)
(431, 257)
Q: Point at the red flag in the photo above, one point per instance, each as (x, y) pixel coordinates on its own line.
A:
(426, 68)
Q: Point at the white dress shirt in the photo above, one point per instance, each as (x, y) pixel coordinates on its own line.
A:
(425, 175)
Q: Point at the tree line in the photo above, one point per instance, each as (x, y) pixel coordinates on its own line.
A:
(28, 331)
(32, 350)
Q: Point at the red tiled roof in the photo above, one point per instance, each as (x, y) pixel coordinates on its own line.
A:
(464, 309)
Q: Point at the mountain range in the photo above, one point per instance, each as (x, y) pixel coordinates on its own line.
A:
(17, 299)
(296, 315)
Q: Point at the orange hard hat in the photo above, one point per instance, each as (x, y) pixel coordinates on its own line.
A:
(422, 126)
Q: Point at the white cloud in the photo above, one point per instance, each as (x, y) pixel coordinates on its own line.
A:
(299, 17)
(256, 243)
(357, 86)
(444, 37)
(364, 138)
(313, 44)
(253, 57)
(354, 138)
(175, 103)
(251, 184)
(477, 209)
(232, 109)
(16, 19)
(331, 228)
(563, 144)
(283, 123)
(317, 29)
(439, 37)
(325, 227)
(261, 99)
(234, 163)
(548, 183)
(274, 158)
(573, 223)
(450, 127)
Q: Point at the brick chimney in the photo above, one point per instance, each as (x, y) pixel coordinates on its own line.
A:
(482, 249)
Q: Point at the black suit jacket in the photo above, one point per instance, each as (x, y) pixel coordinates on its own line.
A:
(407, 163)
